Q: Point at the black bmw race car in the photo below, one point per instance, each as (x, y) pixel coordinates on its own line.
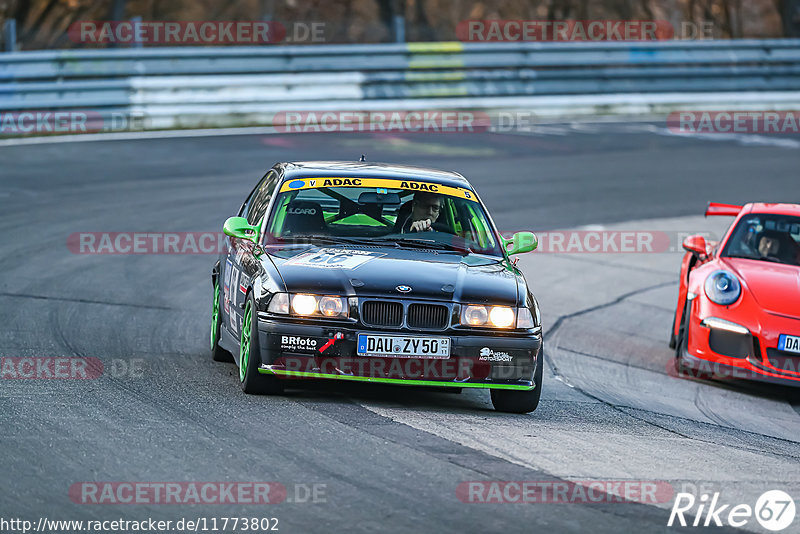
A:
(375, 273)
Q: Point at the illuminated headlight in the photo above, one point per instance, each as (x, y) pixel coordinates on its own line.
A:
(309, 305)
(304, 304)
(722, 287)
(488, 316)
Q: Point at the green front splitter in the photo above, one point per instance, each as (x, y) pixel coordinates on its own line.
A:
(398, 381)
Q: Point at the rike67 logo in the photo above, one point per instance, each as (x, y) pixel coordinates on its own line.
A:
(774, 510)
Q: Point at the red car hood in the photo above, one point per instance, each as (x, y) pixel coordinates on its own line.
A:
(776, 287)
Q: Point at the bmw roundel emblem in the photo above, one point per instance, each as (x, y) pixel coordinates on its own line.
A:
(403, 289)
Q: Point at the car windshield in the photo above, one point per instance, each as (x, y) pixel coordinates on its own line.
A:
(405, 213)
(773, 238)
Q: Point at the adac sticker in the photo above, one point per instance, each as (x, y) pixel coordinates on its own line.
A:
(380, 183)
(333, 258)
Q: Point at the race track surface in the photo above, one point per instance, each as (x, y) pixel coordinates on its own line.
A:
(389, 459)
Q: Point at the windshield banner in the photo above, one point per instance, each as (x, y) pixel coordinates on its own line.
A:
(378, 183)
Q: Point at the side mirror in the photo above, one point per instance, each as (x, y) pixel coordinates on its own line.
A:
(239, 227)
(520, 242)
(695, 244)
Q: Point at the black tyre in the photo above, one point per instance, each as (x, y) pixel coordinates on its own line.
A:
(218, 354)
(250, 380)
(682, 342)
(512, 401)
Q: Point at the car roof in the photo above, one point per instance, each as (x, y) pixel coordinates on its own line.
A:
(773, 208)
(355, 169)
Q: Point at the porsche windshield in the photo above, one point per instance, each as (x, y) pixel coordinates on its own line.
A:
(765, 237)
(407, 213)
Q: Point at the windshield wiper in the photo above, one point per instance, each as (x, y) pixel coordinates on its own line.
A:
(431, 244)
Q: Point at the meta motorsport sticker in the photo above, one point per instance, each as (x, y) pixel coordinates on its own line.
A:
(334, 258)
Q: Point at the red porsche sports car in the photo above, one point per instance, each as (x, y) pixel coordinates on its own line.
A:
(738, 313)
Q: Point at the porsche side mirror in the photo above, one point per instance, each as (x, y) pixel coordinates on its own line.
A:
(695, 244)
(520, 242)
(240, 228)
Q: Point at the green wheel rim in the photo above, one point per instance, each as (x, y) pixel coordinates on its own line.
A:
(244, 346)
(215, 316)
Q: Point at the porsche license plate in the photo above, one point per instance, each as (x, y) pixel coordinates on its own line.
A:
(403, 346)
(789, 343)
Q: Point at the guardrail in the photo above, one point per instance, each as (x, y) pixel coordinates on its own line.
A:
(224, 86)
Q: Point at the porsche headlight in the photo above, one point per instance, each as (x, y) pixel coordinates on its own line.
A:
(488, 316)
(722, 287)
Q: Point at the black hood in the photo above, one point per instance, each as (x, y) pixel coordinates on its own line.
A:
(377, 271)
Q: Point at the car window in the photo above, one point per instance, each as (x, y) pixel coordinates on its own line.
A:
(258, 206)
(766, 237)
(379, 209)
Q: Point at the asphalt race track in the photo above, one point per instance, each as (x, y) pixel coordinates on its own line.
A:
(383, 458)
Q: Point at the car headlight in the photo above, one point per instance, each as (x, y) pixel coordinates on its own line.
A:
(488, 316)
(279, 303)
(529, 317)
(331, 306)
(306, 305)
(722, 287)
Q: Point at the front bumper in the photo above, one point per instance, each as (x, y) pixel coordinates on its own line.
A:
(307, 351)
(744, 348)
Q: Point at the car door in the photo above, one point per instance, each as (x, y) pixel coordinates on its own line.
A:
(236, 277)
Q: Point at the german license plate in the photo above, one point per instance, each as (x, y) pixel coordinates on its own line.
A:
(789, 343)
(403, 346)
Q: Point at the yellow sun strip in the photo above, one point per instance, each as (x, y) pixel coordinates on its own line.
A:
(409, 185)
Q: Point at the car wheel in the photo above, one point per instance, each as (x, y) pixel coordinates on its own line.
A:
(672, 339)
(511, 401)
(682, 341)
(218, 354)
(250, 380)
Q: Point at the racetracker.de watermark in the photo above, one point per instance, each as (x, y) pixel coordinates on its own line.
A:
(190, 492)
(68, 368)
(207, 32)
(147, 243)
(579, 30)
(177, 492)
(554, 242)
(734, 122)
(612, 241)
(64, 122)
(787, 366)
(564, 492)
(420, 121)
